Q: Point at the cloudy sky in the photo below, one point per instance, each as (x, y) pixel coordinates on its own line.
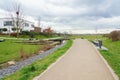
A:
(69, 14)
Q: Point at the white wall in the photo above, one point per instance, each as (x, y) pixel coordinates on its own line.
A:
(24, 28)
(2, 24)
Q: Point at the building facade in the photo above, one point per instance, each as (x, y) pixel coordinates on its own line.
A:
(37, 29)
(8, 25)
(48, 30)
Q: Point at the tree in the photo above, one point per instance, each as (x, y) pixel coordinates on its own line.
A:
(15, 13)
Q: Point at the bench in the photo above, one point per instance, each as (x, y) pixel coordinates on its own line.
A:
(97, 43)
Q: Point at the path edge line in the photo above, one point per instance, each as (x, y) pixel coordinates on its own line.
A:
(60, 58)
(105, 62)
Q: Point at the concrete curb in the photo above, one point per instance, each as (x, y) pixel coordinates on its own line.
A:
(105, 62)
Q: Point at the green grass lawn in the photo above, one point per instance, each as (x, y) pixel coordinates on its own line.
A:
(29, 72)
(112, 55)
(9, 50)
(89, 37)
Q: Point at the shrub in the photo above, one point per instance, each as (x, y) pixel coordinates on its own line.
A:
(22, 54)
(115, 35)
(13, 34)
(105, 35)
(25, 33)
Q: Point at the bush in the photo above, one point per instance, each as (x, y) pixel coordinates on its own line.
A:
(115, 35)
(25, 33)
(13, 34)
(105, 35)
(31, 34)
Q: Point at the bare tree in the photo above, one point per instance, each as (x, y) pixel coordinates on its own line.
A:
(16, 14)
(39, 21)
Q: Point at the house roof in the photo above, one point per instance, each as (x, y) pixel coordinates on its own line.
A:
(21, 19)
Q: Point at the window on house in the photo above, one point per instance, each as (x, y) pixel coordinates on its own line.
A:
(8, 23)
(0, 30)
(32, 25)
(26, 24)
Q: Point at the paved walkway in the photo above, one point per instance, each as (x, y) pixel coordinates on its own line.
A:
(81, 62)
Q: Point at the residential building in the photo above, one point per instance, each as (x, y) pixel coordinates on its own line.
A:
(48, 30)
(7, 25)
(37, 29)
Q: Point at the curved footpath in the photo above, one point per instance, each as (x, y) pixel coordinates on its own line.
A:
(81, 62)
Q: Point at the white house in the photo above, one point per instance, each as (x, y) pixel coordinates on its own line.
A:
(10, 23)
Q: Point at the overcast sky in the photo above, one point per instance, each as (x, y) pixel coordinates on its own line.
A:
(70, 14)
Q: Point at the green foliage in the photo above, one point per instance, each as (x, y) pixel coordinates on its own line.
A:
(105, 35)
(113, 54)
(41, 35)
(36, 68)
(25, 33)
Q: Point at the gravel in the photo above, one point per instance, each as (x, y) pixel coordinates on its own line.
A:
(13, 68)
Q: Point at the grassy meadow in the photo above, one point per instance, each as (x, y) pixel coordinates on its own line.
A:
(36, 68)
(9, 50)
(112, 55)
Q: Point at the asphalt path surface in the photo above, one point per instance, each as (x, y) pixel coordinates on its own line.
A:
(80, 62)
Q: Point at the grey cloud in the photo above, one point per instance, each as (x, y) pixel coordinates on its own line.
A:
(96, 9)
(89, 2)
